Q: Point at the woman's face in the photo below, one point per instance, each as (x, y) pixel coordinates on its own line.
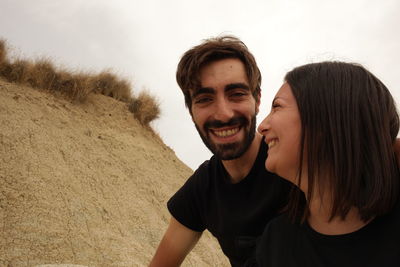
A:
(282, 131)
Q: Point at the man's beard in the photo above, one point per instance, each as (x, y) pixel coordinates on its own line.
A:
(234, 150)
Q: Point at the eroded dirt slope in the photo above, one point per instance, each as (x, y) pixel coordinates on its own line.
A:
(84, 184)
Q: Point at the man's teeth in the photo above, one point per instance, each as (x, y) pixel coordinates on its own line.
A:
(226, 133)
(272, 143)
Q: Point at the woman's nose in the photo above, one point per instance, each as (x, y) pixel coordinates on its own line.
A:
(264, 126)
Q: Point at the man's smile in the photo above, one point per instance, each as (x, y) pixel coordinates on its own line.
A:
(225, 132)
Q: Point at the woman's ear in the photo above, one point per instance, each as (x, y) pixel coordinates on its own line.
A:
(397, 150)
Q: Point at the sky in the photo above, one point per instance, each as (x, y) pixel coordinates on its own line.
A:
(142, 41)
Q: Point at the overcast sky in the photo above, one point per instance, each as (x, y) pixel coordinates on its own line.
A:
(144, 40)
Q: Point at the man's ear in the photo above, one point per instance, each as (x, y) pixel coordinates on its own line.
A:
(190, 111)
(258, 101)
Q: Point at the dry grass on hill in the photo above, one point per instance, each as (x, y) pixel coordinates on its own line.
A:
(148, 106)
(77, 86)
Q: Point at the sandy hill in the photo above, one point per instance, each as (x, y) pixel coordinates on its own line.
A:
(84, 184)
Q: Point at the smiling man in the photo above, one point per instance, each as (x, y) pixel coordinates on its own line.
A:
(224, 110)
(231, 195)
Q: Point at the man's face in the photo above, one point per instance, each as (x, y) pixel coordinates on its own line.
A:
(224, 109)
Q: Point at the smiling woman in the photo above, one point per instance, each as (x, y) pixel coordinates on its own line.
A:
(283, 145)
(331, 133)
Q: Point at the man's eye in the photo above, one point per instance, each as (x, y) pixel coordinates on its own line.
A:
(202, 100)
(238, 94)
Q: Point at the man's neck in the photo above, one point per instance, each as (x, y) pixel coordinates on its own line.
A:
(239, 168)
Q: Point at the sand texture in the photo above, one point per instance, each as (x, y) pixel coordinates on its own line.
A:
(84, 184)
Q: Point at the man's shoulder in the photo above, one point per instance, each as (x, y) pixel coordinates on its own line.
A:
(187, 204)
(206, 170)
(204, 166)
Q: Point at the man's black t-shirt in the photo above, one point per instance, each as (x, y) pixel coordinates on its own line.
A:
(288, 245)
(236, 214)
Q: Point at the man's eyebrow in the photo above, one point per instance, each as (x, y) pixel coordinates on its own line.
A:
(209, 90)
(236, 86)
(203, 90)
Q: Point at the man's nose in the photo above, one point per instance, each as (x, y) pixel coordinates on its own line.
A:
(223, 110)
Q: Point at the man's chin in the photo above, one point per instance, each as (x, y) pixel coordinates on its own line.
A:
(228, 157)
(229, 151)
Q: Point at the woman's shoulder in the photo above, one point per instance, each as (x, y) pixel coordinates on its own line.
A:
(281, 226)
(274, 247)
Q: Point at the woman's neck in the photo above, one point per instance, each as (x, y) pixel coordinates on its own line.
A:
(319, 215)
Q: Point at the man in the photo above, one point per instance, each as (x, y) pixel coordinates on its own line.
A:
(231, 195)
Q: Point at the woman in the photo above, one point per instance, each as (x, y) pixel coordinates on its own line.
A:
(331, 132)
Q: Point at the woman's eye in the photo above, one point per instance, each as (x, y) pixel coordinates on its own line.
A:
(275, 105)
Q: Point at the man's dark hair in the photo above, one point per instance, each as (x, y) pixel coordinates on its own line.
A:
(213, 49)
(349, 125)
